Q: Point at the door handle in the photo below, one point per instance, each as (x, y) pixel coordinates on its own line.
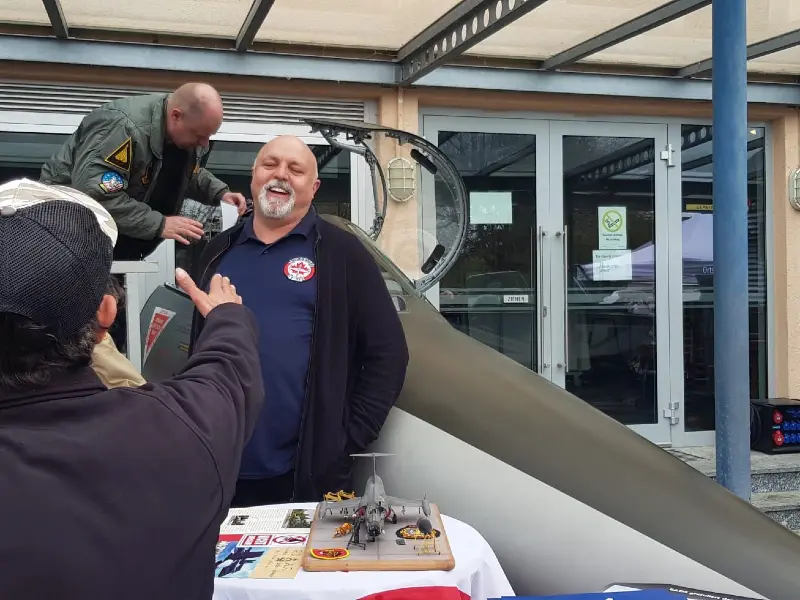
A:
(541, 308)
(566, 299)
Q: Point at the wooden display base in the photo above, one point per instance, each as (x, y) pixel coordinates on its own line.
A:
(384, 554)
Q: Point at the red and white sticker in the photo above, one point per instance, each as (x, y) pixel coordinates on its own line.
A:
(159, 320)
(268, 539)
(284, 540)
(299, 269)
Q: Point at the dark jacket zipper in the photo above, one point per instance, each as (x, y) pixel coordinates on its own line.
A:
(301, 438)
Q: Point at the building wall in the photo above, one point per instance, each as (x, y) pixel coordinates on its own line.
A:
(401, 109)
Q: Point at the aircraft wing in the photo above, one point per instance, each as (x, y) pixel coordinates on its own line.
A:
(403, 503)
(335, 505)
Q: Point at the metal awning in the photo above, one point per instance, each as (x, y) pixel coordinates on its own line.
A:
(541, 45)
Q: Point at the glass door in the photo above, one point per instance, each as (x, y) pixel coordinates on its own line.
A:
(608, 270)
(497, 290)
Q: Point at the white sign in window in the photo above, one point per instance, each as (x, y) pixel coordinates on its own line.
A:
(612, 227)
(490, 208)
(612, 265)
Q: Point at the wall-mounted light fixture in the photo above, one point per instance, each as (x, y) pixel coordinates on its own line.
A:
(402, 180)
(794, 189)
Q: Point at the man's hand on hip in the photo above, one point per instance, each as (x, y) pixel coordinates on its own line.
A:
(237, 200)
(220, 291)
(181, 229)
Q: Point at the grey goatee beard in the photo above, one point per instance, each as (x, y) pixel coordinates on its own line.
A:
(275, 209)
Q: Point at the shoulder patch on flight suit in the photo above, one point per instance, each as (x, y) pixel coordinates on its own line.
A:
(122, 156)
(111, 182)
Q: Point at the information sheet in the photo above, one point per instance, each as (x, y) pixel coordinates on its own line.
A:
(262, 542)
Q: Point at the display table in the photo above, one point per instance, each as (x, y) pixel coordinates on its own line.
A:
(476, 576)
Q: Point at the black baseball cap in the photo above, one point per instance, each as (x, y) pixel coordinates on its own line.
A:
(56, 250)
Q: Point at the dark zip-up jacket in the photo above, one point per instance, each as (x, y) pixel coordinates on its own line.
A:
(115, 156)
(358, 356)
(121, 493)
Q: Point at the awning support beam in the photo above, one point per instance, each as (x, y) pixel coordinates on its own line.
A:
(633, 28)
(757, 50)
(57, 19)
(467, 24)
(252, 23)
(149, 57)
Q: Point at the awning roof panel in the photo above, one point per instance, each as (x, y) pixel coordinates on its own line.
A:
(785, 62)
(676, 44)
(688, 40)
(538, 36)
(28, 12)
(560, 24)
(202, 18)
(378, 24)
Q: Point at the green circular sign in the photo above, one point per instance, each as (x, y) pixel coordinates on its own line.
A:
(612, 221)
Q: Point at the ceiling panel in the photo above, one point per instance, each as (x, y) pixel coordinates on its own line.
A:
(202, 18)
(676, 44)
(560, 24)
(388, 24)
(688, 39)
(379, 24)
(786, 62)
(26, 12)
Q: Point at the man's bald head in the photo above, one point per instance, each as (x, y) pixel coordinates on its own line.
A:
(194, 114)
(285, 179)
(290, 144)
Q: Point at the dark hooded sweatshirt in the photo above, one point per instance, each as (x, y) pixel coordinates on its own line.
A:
(120, 493)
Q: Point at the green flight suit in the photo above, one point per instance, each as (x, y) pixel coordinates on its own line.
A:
(115, 157)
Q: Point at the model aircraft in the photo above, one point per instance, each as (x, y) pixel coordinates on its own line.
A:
(374, 507)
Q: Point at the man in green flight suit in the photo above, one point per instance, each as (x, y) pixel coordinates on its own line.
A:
(140, 158)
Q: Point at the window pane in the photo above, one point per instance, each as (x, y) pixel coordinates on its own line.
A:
(610, 248)
(23, 154)
(491, 292)
(698, 271)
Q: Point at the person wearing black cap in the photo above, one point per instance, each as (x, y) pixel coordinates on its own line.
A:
(108, 493)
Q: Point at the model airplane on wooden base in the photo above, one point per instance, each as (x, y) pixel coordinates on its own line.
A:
(373, 508)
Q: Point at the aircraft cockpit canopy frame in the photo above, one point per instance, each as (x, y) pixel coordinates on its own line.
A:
(431, 161)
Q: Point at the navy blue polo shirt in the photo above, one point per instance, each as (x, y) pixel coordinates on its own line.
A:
(278, 283)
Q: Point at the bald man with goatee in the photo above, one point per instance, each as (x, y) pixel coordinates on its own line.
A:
(333, 352)
(140, 158)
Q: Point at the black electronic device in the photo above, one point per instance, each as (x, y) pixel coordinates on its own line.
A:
(775, 425)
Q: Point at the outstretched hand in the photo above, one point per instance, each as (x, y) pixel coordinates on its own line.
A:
(221, 291)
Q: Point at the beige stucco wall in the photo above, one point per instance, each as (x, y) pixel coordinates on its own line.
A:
(400, 109)
(786, 257)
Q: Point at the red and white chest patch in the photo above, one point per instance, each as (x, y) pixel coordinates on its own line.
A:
(299, 269)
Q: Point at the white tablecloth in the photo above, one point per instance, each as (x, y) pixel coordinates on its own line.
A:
(476, 576)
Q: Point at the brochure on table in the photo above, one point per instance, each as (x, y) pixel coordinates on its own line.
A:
(262, 542)
(622, 595)
(637, 591)
(683, 592)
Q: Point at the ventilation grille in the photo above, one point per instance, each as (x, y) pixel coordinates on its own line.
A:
(247, 109)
